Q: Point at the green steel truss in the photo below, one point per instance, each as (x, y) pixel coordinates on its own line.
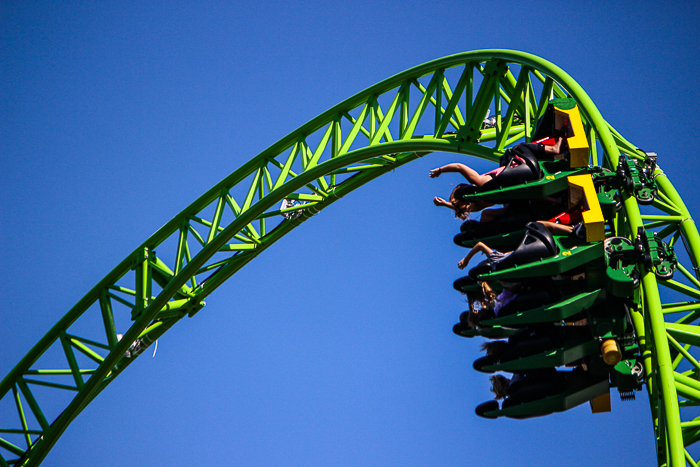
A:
(438, 106)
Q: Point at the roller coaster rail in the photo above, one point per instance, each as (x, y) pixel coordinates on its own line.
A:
(439, 106)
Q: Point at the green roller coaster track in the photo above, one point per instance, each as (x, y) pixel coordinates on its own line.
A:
(438, 106)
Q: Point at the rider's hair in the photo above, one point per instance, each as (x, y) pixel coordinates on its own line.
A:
(462, 208)
(494, 348)
(499, 386)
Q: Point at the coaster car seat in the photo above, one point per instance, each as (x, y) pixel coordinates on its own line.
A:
(511, 175)
(538, 243)
(530, 298)
(535, 387)
(529, 343)
(512, 220)
(546, 392)
(532, 387)
(516, 215)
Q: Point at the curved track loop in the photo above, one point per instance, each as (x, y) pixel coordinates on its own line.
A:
(438, 106)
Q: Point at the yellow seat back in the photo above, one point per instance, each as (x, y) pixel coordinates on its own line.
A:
(576, 135)
(582, 192)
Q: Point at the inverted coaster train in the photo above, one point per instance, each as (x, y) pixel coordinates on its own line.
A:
(436, 107)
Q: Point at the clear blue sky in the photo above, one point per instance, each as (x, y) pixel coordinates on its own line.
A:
(335, 346)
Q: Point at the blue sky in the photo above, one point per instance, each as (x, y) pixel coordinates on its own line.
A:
(334, 347)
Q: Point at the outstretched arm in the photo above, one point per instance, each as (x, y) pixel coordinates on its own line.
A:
(470, 174)
(437, 201)
(557, 228)
(478, 248)
(556, 149)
